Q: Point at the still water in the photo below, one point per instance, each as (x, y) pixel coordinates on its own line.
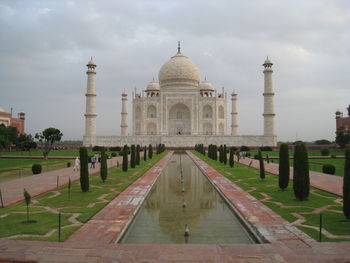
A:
(183, 196)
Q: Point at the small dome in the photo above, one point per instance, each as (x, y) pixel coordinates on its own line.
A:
(267, 62)
(179, 70)
(2, 110)
(153, 86)
(206, 85)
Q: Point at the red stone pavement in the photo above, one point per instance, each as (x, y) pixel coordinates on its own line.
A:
(12, 191)
(287, 244)
(326, 182)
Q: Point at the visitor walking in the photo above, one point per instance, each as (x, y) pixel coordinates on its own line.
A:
(93, 161)
(76, 164)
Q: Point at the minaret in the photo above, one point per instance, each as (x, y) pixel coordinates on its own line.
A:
(90, 113)
(269, 112)
(124, 113)
(234, 123)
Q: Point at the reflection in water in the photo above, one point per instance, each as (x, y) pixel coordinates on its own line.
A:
(183, 207)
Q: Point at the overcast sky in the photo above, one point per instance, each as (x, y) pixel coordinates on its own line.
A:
(45, 45)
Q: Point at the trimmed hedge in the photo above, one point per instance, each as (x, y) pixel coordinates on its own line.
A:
(328, 169)
(36, 168)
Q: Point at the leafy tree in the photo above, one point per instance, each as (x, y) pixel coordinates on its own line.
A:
(133, 157)
(301, 178)
(84, 169)
(4, 143)
(27, 199)
(322, 142)
(145, 153)
(103, 166)
(346, 185)
(284, 170)
(125, 158)
(231, 161)
(342, 138)
(138, 154)
(261, 166)
(26, 142)
(150, 151)
(48, 137)
(225, 154)
(8, 136)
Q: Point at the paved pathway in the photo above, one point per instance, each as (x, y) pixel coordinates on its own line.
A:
(326, 182)
(12, 191)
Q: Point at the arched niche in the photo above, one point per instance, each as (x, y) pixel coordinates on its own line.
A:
(208, 129)
(207, 112)
(151, 128)
(221, 129)
(221, 112)
(179, 120)
(151, 112)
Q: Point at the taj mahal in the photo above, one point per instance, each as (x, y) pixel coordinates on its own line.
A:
(180, 110)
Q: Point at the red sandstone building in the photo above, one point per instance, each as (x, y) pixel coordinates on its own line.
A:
(343, 123)
(7, 120)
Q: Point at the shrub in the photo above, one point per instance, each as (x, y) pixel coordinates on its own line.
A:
(133, 156)
(333, 156)
(97, 148)
(328, 169)
(265, 149)
(145, 153)
(231, 160)
(256, 156)
(325, 152)
(114, 154)
(150, 151)
(84, 169)
(115, 149)
(244, 148)
(27, 199)
(346, 185)
(301, 178)
(261, 165)
(103, 167)
(36, 168)
(284, 170)
(125, 158)
(248, 154)
(138, 149)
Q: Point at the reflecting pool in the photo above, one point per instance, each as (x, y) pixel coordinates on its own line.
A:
(183, 196)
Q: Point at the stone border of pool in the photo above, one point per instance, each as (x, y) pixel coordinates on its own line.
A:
(266, 223)
(111, 222)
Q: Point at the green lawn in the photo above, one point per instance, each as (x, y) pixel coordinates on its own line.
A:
(248, 179)
(337, 152)
(81, 206)
(316, 165)
(52, 153)
(16, 168)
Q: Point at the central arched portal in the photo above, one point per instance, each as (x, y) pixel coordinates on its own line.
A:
(179, 120)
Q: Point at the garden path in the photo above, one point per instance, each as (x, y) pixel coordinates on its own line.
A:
(12, 191)
(326, 182)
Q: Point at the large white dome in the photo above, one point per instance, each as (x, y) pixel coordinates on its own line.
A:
(179, 70)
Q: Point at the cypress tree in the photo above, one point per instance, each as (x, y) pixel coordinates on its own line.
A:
(231, 161)
(221, 159)
(215, 151)
(84, 169)
(150, 151)
(138, 154)
(261, 165)
(225, 154)
(27, 199)
(103, 167)
(283, 168)
(125, 158)
(133, 156)
(346, 185)
(145, 153)
(301, 179)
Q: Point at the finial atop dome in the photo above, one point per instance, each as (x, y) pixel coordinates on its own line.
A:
(178, 47)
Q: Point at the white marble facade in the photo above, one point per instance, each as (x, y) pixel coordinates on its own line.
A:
(182, 110)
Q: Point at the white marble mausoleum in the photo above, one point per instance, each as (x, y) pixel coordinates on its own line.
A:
(180, 110)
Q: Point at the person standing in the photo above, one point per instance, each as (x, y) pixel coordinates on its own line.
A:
(93, 161)
(76, 164)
